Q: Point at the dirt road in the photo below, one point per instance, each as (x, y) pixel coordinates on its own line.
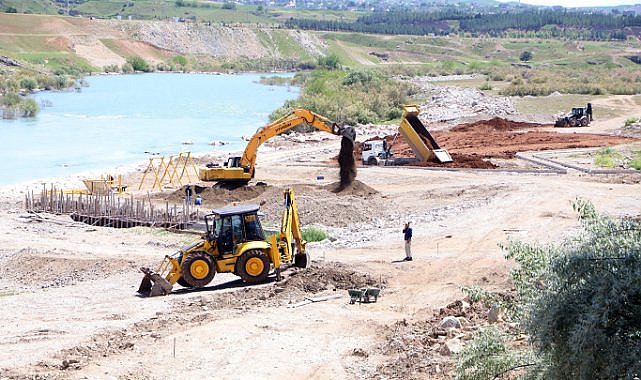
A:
(69, 289)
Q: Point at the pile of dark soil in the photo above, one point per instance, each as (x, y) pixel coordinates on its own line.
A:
(356, 188)
(328, 276)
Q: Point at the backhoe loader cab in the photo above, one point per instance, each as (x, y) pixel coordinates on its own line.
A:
(229, 227)
(234, 242)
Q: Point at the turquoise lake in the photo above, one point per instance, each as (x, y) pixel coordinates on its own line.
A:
(124, 119)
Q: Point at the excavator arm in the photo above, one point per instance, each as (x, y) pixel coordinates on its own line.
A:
(241, 169)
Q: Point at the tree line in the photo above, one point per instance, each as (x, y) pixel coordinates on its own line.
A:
(542, 23)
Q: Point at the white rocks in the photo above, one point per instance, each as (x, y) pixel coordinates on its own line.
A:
(450, 322)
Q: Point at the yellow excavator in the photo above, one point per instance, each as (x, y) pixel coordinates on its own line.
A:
(234, 242)
(238, 171)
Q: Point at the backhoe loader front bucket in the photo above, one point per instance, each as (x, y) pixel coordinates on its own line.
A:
(153, 284)
(161, 282)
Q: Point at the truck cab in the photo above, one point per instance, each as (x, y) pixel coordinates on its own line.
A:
(375, 151)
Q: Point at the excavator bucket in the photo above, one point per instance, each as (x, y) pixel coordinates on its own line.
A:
(153, 284)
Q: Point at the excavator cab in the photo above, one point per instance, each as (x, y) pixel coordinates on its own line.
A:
(578, 112)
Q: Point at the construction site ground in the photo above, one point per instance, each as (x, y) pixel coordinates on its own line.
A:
(68, 290)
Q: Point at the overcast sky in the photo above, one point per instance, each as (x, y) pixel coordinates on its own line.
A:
(579, 3)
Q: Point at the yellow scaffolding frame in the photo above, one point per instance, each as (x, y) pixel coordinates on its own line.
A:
(175, 169)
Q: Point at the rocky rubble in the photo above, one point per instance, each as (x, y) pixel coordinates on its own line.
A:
(450, 103)
(189, 38)
(632, 130)
(426, 346)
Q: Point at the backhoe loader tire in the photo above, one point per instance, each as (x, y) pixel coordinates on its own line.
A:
(198, 269)
(181, 281)
(253, 266)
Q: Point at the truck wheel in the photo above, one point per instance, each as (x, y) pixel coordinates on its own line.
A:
(253, 266)
(198, 269)
(372, 161)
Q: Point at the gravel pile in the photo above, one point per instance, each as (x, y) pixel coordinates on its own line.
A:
(452, 103)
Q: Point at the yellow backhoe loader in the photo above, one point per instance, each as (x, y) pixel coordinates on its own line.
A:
(239, 171)
(234, 242)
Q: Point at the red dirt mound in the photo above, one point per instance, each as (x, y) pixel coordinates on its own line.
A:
(497, 124)
(470, 161)
(472, 144)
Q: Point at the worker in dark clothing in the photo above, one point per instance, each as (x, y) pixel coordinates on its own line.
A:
(188, 194)
(407, 230)
(588, 112)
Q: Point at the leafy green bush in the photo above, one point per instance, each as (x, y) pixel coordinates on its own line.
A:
(486, 357)
(28, 84)
(111, 69)
(607, 157)
(127, 68)
(486, 86)
(635, 163)
(585, 318)
(139, 64)
(180, 60)
(29, 108)
(311, 234)
(349, 97)
(11, 99)
(525, 56)
(329, 62)
(629, 121)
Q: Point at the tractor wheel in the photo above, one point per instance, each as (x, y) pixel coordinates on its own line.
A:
(302, 260)
(198, 269)
(253, 266)
(584, 122)
(181, 281)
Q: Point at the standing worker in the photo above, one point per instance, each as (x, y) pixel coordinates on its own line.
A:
(188, 194)
(407, 230)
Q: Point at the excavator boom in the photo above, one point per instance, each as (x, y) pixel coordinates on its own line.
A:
(241, 169)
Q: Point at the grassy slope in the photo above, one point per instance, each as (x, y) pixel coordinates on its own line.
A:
(590, 63)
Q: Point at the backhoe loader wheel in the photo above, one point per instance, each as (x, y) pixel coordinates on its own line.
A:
(198, 269)
(181, 281)
(253, 266)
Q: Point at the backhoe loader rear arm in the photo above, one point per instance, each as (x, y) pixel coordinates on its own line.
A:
(290, 232)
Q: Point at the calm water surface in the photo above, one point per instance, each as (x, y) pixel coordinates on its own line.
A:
(123, 119)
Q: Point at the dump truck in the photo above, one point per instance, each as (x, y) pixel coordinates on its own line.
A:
(233, 242)
(238, 171)
(421, 141)
(578, 117)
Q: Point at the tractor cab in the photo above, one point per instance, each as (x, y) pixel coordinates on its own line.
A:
(578, 112)
(233, 225)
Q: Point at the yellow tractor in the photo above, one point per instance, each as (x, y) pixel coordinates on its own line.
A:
(234, 242)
